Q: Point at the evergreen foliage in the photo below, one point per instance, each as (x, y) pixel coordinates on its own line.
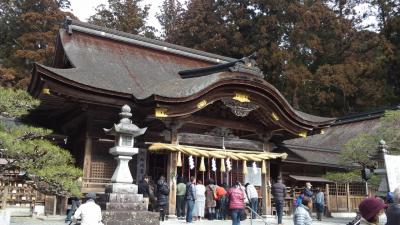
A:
(357, 151)
(123, 15)
(316, 52)
(27, 34)
(49, 168)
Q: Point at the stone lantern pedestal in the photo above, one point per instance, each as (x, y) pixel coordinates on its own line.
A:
(121, 202)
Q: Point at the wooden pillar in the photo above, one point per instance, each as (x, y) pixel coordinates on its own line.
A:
(87, 157)
(328, 199)
(171, 177)
(5, 196)
(55, 206)
(348, 197)
(265, 189)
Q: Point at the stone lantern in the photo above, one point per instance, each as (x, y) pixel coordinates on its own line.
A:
(125, 132)
(121, 202)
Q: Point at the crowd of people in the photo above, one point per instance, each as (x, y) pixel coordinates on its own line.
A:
(197, 201)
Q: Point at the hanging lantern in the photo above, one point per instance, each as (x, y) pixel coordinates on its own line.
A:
(202, 167)
(213, 165)
(244, 167)
(228, 164)
(255, 169)
(222, 169)
(179, 161)
(191, 162)
(264, 168)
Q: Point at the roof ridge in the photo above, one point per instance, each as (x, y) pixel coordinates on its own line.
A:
(71, 24)
(364, 115)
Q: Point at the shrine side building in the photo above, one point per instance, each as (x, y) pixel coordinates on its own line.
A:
(215, 110)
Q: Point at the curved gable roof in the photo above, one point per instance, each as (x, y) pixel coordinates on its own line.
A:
(109, 61)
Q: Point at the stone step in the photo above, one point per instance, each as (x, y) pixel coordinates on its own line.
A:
(130, 218)
(121, 198)
(139, 206)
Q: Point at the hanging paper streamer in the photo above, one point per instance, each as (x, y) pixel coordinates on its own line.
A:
(245, 167)
(191, 162)
(264, 168)
(222, 169)
(255, 170)
(179, 161)
(213, 165)
(202, 167)
(228, 164)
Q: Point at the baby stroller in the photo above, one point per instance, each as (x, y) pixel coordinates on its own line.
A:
(355, 221)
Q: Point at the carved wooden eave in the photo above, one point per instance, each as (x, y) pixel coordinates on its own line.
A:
(100, 66)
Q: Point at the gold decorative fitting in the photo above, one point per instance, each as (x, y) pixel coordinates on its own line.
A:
(275, 116)
(201, 104)
(322, 132)
(241, 97)
(46, 91)
(303, 134)
(161, 112)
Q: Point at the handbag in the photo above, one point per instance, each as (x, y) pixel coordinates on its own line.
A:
(243, 215)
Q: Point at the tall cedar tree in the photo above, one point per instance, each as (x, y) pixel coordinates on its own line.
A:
(28, 30)
(200, 27)
(123, 15)
(311, 52)
(170, 14)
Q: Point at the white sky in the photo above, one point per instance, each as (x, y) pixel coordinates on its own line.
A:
(83, 9)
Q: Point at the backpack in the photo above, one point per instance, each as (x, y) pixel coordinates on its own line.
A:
(214, 191)
(299, 200)
(164, 189)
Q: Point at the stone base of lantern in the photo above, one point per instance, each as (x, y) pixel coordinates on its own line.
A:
(123, 206)
(121, 188)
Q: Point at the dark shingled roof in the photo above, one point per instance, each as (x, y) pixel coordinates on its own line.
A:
(115, 61)
(325, 148)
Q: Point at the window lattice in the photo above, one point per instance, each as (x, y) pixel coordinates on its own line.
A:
(102, 169)
(357, 189)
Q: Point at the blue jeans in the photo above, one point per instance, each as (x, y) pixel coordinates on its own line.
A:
(74, 205)
(190, 207)
(180, 206)
(279, 210)
(235, 213)
(254, 205)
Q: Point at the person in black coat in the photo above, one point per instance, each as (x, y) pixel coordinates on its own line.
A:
(144, 189)
(162, 196)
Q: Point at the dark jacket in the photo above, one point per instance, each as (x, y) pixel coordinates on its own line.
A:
(162, 192)
(279, 192)
(143, 189)
(307, 192)
(190, 192)
(393, 214)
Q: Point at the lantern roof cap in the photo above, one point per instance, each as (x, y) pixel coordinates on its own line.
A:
(125, 125)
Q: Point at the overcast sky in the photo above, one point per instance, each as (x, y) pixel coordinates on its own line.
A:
(83, 9)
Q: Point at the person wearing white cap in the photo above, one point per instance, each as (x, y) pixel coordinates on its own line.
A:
(89, 212)
(307, 191)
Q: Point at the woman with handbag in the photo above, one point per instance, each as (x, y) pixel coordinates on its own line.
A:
(236, 203)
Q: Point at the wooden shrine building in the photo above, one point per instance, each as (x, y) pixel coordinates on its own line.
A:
(196, 105)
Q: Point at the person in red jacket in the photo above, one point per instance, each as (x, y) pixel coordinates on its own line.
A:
(236, 202)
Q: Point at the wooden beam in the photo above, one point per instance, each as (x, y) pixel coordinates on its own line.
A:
(214, 141)
(216, 122)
